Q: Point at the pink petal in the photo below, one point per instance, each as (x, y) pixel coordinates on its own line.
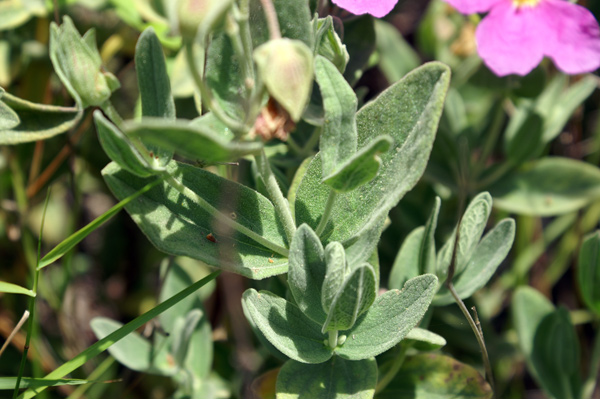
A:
(377, 8)
(511, 40)
(576, 45)
(473, 6)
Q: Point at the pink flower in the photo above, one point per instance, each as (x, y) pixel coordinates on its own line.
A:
(516, 35)
(377, 8)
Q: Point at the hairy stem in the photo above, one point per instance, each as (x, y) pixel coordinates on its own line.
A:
(281, 205)
(326, 213)
(396, 366)
(333, 338)
(272, 21)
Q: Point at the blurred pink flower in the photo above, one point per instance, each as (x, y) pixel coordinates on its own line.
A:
(377, 8)
(516, 35)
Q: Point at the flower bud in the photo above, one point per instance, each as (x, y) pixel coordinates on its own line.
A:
(286, 68)
(198, 17)
(78, 64)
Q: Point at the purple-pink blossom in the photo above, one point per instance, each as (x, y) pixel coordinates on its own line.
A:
(377, 8)
(516, 35)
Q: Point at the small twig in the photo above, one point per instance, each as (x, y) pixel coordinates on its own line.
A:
(15, 331)
(272, 21)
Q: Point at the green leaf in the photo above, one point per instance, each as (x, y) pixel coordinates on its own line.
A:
(427, 260)
(200, 346)
(337, 271)
(396, 56)
(286, 327)
(529, 308)
(133, 350)
(431, 376)
(408, 112)
(307, 272)
(339, 137)
(555, 355)
(334, 379)
(13, 15)
(195, 141)
(558, 103)
(77, 63)
(588, 272)
(359, 37)
(472, 226)
(548, 187)
(329, 44)
(286, 69)
(523, 136)
(389, 319)
(10, 288)
(153, 83)
(361, 168)
(354, 297)
(36, 121)
(119, 148)
(153, 80)
(406, 264)
(75, 238)
(8, 118)
(105, 343)
(547, 339)
(181, 224)
(182, 333)
(424, 340)
(9, 383)
(482, 265)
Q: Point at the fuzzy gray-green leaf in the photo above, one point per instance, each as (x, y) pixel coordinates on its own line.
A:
(195, 141)
(176, 224)
(406, 264)
(408, 112)
(307, 272)
(337, 271)
(339, 137)
(424, 340)
(119, 148)
(360, 168)
(482, 265)
(36, 121)
(389, 319)
(334, 379)
(286, 327)
(354, 297)
(431, 376)
(134, 351)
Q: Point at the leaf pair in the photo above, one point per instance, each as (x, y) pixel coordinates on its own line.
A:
(330, 295)
(344, 169)
(476, 258)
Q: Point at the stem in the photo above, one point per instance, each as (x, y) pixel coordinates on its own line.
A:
(272, 21)
(495, 175)
(484, 354)
(333, 338)
(326, 213)
(245, 34)
(396, 366)
(281, 205)
(15, 331)
(36, 277)
(207, 99)
(214, 212)
(233, 32)
(312, 141)
(590, 384)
